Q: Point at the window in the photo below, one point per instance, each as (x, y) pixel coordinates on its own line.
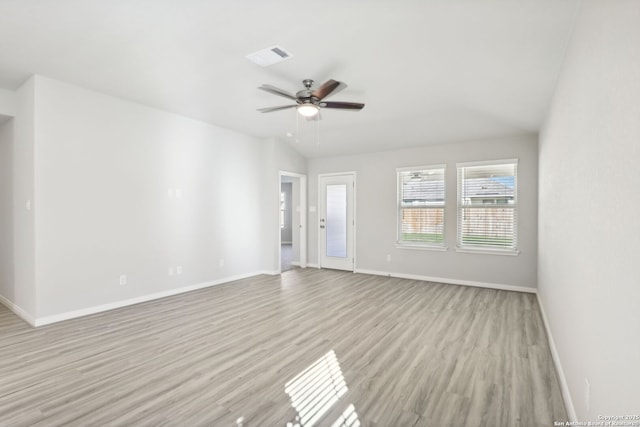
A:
(421, 206)
(487, 205)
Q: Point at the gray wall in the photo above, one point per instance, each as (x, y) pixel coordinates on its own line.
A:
(376, 212)
(589, 276)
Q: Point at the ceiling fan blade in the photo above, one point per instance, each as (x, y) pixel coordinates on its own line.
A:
(270, 109)
(342, 105)
(330, 87)
(276, 91)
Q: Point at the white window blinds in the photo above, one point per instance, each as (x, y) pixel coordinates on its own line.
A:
(421, 205)
(487, 205)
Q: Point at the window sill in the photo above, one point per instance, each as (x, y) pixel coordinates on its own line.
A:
(422, 247)
(487, 251)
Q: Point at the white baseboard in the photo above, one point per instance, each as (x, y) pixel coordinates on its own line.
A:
(267, 272)
(19, 311)
(286, 243)
(564, 387)
(310, 265)
(450, 281)
(299, 264)
(41, 321)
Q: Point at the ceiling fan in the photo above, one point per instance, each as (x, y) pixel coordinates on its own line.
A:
(308, 101)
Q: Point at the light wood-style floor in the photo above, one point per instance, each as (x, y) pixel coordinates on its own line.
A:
(345, 349)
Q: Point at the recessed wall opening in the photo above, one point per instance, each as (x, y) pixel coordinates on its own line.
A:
(292, 221)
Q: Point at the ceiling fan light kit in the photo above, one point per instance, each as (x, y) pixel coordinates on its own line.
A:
(308, 110)
(308, 101)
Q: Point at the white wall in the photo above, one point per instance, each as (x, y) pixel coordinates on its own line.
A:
(6, 211)
(286, 234)
(295, 218)
(21, 294)
(589, 276)
(276, 156)
(376, 202)
(102, 177)
(107, 176)
(8, 103)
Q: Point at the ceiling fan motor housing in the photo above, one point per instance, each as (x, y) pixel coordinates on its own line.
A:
(305, 95)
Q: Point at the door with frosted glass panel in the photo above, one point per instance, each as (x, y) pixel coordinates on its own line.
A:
(336, 221)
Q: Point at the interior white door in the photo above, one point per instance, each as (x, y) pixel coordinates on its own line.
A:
(337, 225)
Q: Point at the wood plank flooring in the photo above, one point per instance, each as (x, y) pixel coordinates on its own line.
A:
(350, 349)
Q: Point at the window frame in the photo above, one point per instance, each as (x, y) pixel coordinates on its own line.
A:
(461, 205)
(410, 244)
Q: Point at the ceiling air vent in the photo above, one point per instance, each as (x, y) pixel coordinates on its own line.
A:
(269, 56)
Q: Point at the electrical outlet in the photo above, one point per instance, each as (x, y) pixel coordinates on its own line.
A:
(221, 263)
(388, 257)
(587, 394)
(171, 272)
(123, 279)
(179, 269)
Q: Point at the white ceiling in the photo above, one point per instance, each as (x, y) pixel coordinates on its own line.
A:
(429, 71)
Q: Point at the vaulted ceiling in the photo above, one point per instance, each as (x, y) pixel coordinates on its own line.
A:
(429, 71)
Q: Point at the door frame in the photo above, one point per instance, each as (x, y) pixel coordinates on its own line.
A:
(321, 203)
(302, 216)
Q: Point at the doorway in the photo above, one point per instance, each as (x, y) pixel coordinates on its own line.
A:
(292, 202)
(337, 221)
